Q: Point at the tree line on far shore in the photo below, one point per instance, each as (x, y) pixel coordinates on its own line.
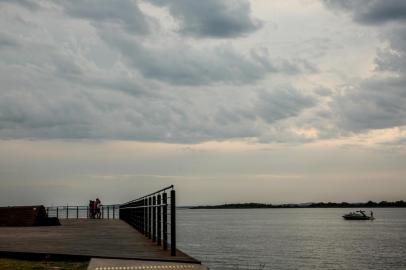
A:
(368, 204)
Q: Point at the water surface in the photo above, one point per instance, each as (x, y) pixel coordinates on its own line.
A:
(293, 238)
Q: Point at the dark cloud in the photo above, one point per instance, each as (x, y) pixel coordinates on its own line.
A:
(278, 65)
(374, 104)
(371, 11)
(195, 65)
(37, 114)
(393, 58)
(106, 75)
(324, 92)
(182, 64)
(125, 13)
(212, 18)
(45, 106)
(30, 4)
(7, 41)
(377, 102)
(282, 103)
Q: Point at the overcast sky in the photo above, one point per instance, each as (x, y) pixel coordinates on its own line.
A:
(231, 101)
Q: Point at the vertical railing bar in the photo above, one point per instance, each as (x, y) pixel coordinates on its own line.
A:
(153, 219)
(165, 221)
(67, 211)
(149, 217)
(136, 214)
(173, 223)
(159, 232)
(137, 217)
(144, 202)
(141, 217)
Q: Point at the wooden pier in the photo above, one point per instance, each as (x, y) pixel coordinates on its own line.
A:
(139, 232)
(89, 238)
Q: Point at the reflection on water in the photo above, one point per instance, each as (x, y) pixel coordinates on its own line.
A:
(293, 239)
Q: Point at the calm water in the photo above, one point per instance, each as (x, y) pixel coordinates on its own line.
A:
(293, 239)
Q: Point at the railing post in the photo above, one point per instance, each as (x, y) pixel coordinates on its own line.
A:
(173, 223)
(136, 210)
(154, 219)
(67, 211)
(47, 211)
(114, 216)
(149, 217)
(144, 203)
(138, 216)
(102, 212)
(139, 219)
(141, 216)
(77, 212)
(159, 232)
(57, 212)
(108, 212)
(165, 220)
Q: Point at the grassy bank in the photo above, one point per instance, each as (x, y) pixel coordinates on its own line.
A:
(14, 264)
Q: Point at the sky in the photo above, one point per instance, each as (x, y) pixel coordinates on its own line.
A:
(230, 101)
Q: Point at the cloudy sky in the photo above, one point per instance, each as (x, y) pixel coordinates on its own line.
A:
(231, 101)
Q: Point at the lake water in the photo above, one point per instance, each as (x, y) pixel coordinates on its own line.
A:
(293, 239)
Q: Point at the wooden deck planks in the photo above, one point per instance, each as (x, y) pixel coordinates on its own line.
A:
(86, 237)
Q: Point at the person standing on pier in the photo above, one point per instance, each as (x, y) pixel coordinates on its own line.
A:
(98, 206)
(92, 211)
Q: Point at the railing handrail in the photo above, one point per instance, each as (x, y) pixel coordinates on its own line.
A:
(149, 195)
(84, 206)
(76, 211)
(143, 206)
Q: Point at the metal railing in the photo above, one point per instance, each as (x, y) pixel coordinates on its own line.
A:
(149, 215)
(79, 211)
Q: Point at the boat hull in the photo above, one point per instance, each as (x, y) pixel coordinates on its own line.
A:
(357, 218)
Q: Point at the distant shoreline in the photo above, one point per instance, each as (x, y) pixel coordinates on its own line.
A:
(369, 204)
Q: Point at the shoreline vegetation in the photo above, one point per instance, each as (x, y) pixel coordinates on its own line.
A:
(27, 264)
(369, 204)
